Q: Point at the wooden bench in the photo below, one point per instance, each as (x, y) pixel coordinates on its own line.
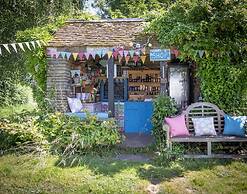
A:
(204, 109)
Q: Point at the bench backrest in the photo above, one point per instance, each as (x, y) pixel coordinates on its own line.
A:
(204, 109)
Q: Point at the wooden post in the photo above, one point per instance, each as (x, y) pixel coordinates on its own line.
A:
(164, 78)
(209, 148)
(111, 107)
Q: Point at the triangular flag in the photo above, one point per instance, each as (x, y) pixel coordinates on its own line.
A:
(75, 56)
(121, 53)
(201, 53)
(93, 54)
(143, 51)
(109, 53)
(33, 43)
(120, 59)
(14, 47)
(21, 46)
(43, 42)
(136, 58)
(63, 54)
(115, 54)
(0, 51)
(176, 52)
(103, 52)
(99, 52)
(143, 58)
(207, 54)
(68, 54)
(137, 52)
(127, 58)
(126, 53)
(87, 55)
(132, 53)
(28, 46)
(57, 54)
(81, 55)
(38, 42)
(6, 47)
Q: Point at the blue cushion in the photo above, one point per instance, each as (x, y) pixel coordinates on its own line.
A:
(234, 126)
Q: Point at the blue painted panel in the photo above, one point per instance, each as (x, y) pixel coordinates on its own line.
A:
(160, 55)
(137, 117)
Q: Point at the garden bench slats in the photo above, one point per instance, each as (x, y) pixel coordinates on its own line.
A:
(203, 109)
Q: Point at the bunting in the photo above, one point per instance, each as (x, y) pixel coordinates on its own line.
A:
(0, 51)
(75, 55)
(13, 46)
(127, 58)
(109, 53)
(136, 58)
(201, 53)
(143, 58)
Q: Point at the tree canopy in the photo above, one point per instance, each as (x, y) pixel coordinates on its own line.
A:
(217, 27)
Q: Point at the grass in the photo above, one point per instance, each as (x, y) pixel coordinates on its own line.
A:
(34, 174)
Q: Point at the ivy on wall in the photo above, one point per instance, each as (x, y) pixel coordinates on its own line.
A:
(217, 27)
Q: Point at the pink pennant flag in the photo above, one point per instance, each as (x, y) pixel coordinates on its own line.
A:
(121, 53)
(136, 58)
(126, 53)
(115, 54)
(81, 55)
(87, 55)
(176, 52)
(127, 58)
(14, 47)
(137, 52)
(143, 51)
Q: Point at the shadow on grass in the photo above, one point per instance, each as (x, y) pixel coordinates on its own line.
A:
(150, 171)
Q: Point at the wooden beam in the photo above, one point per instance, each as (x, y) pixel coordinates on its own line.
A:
(111, 107)
(164, 78)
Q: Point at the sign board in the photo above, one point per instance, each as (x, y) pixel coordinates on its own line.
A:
(160, 54)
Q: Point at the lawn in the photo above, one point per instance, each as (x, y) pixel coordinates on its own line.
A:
(35, 174)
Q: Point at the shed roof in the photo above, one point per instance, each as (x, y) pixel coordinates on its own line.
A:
(99, 33)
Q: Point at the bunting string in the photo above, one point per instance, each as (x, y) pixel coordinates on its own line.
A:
(31, 45)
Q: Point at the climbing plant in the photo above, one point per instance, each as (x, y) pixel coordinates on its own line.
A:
(218, 29)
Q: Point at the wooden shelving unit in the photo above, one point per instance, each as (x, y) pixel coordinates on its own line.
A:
(143, 83)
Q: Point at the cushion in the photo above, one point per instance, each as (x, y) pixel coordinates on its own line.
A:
(204, 126)
(234, 125)
(75, 104)
(177, 126)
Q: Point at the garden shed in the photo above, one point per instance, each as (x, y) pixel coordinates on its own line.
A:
(113, 68)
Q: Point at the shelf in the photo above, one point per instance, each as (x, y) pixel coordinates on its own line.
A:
(144, 83)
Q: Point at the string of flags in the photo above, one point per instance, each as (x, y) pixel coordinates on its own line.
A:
(22, 46)
(116, 53)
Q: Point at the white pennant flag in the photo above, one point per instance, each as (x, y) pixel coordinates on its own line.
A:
(33, 43)
(38, 42)
(7, 47)
(21, 46)
(28, 46)
(14, 47)
(0, 51)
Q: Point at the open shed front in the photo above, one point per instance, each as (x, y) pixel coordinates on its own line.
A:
(114, 70)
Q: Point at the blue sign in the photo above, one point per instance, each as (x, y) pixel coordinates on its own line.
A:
(160, 54)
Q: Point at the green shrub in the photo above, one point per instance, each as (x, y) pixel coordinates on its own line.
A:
(164, 106)
(20, 137)
(71, 135)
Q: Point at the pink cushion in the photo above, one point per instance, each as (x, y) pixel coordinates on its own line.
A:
(177, 126)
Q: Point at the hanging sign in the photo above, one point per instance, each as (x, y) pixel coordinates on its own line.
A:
(160, 55)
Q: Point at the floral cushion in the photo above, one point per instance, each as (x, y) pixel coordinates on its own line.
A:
(204, 126)
(75, 104)
(177, 126)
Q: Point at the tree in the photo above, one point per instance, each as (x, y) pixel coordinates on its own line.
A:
(219, 28)
(131, 9)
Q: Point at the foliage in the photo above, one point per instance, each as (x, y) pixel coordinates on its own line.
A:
(132, 9)
(23, 137)
(219, 28)
(164, 106)
(72, 136)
